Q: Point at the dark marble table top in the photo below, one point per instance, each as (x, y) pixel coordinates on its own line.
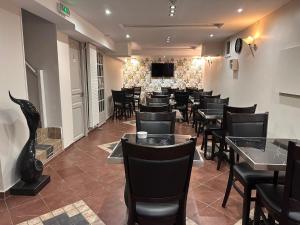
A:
(262, 153)
(116, 157)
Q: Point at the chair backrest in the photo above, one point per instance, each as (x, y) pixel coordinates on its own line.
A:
(172, 90)
(247, 125)
(291, 196)
(137, 90)
(118, 96)
(206, 93)
(158, 174)
(156, 123)
(129, 91)
(182, 98)
(164, 100)
(155, 108)
(208, 99)
(231, 109)
(164, 90)
(159, 96)
(157, 93)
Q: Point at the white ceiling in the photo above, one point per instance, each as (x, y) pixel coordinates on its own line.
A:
(188, 12)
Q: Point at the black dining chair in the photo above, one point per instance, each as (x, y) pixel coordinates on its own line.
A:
(122, 107)
(206, 93)
(197, 119)
(218, 136)
(281, 201)
(156, 123)
(182, 104)
(137, 95)
(164, 90)
(246, 125)
(213, 125)
(156, 108)
(164, 100)
(157, 182)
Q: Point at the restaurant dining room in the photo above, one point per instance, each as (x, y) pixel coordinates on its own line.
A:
(161, 112)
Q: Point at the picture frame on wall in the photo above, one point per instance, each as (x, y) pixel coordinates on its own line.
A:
(227, 49)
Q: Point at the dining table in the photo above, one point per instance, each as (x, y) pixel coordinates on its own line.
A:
(116, 157)
(268, 154)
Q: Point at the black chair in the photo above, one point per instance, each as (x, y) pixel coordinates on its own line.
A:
(197, 119)
(159, 108)
(246, 125)
(121, 105)
(281, 201)
(213, 125)
(159, 95)
(219, 135)
(164, 90)
(129, 97)
(164, 100)
(157, 182)
(172, 91)
(182, 104)
(207, 93)
(137, 95)
(156, 123)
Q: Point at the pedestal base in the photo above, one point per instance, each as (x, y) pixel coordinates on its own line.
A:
(22, 188)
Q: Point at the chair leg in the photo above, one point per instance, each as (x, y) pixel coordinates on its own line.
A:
(228, 188)
(246, 206)
(205, 143)
(257, 211)
(213, 148)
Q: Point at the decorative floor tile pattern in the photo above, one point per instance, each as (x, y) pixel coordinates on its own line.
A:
(108, 147)
(130, 122)
(77, 213)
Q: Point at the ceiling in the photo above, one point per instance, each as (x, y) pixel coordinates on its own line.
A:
(189, 13)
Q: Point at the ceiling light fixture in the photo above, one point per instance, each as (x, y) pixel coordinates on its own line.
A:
(172, 7)
(211, 35)
(107, 12)
(240, 10)
(171, 14)
(172, 11)
(127, 36)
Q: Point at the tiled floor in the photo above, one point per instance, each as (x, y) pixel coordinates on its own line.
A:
(82, 173)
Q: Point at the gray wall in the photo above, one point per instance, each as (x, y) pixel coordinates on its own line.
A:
(40, 43)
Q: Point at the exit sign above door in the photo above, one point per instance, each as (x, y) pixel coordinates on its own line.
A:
(62, 9)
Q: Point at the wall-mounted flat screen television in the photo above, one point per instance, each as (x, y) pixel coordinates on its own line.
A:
(162, 70)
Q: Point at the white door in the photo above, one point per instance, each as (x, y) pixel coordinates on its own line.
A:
(77, 90)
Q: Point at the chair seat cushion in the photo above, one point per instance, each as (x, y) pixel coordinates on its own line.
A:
(272, 196)
(157, 209)
(251, 177)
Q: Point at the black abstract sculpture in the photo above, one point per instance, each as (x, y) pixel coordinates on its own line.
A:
(30, 168)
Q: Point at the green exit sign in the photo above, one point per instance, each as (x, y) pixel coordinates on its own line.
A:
(63, 9)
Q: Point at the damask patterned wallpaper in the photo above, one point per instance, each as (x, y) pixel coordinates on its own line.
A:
(188, 73)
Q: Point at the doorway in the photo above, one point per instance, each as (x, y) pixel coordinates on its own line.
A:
(78, 107)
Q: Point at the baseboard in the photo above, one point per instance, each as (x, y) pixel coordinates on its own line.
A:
(4, 195)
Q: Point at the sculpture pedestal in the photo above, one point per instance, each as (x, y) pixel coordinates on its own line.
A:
(22, 188)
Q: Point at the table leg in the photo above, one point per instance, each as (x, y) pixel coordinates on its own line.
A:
(275, 178)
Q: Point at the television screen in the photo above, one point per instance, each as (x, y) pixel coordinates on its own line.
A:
(157, 69)
(162, 69)
(168, 70)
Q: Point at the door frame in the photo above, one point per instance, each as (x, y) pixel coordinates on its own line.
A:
(84, 89)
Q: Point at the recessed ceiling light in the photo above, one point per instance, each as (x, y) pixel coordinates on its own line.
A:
(107, 12)
(172, 6)
(240, 10)
(171, 14)
(172, 11)
(127, 36)
(211, 35)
